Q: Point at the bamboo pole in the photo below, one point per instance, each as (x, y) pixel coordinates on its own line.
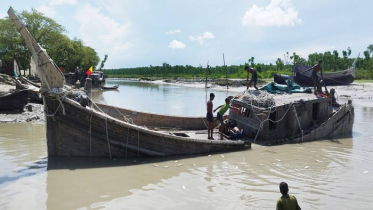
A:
(226, 72)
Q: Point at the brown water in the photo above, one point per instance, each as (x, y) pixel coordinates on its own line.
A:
(328, 174)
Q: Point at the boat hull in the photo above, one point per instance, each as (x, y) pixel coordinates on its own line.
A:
(69, 135)
(302, 77)
(14, 101)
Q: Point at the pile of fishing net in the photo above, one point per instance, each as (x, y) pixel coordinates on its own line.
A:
(258, 98)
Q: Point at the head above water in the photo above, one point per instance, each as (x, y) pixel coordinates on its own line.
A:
(284, 189)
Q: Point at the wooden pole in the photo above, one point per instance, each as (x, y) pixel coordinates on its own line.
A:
(207, 68)
(226, 73)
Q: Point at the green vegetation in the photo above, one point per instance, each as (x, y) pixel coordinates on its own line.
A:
(66, 53)
(331, 62)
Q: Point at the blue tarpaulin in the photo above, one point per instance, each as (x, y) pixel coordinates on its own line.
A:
(290, 87)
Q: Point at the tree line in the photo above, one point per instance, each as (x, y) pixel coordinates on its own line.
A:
(332, 61)
(67, 53)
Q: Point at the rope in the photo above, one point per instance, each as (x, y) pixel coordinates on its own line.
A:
(90, 135)
(138, 143)
(300, 127)
(107, 137)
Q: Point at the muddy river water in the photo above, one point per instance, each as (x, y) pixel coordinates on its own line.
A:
(325, 174)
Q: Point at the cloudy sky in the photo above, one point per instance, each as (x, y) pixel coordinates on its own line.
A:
(144, 32)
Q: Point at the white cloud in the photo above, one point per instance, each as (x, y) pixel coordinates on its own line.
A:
(277, 13)
(202, 37)
(176, 45)
(102, 32)
(47, 11)
(62, 2)
(173, 32)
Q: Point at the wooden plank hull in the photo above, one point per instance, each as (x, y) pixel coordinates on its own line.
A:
(68, 135)
(339, 124)
(14, 101)
(152, 120)
(302, 77)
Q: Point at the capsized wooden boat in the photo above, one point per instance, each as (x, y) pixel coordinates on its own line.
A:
(76, 130)
(303, 77)
(14, 100)
(293, 117)
(157, 121)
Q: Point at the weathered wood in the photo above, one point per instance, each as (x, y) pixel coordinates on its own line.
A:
(152, 120)
(303, 77)
(14, 100)
(68, 135)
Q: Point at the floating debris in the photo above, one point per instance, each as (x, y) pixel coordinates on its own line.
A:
(179, 165)
(278, 160)
(184, 188)
(175, 161)
(222, 156)
(165, 166)
(209, 155)
(319, 161)
(365, 172)
(307, 167)
(155, 165)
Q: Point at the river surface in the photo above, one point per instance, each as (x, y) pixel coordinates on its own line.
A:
(325, 174)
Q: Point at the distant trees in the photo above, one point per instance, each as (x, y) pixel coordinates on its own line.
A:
(50, 35)
(331, 62)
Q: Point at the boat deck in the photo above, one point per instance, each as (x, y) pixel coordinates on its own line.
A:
(279, 99)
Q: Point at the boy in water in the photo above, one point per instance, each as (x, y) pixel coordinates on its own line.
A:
(286, 202)
(210, 117)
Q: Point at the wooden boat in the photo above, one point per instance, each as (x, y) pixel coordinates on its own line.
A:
(75, 130)
(110, 87)
(303, 77)
(292, 118)
(33, 94)
(157, 121)
(14, 100)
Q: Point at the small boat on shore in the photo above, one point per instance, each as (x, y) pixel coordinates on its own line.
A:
(303, 77)
(14, 100)
(110, 87)
(33, 94)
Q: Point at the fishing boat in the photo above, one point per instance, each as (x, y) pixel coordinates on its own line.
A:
(14, 100)
(303, 77)
(74, 129)
(33, 94)
(271, 119)
(110, 87)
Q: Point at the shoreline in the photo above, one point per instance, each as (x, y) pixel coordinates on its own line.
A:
(355, 90)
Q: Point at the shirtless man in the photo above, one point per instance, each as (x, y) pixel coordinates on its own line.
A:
(254, 77)
(210, 117)
(316, 68)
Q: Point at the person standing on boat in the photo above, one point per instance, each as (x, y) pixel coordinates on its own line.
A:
(223, 109)
(209, 116)
(316, 68)
(286, 202)
(254, 77)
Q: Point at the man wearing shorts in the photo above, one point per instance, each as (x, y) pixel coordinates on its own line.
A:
(210, 117)
(316, 68)
(254, 77)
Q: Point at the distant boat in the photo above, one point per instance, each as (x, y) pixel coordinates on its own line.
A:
(15, 100)
(303, 77)
(109, 87)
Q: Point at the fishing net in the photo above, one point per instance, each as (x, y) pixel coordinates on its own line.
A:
(258, 98)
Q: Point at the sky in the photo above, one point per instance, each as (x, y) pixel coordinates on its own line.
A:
(143, 32)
